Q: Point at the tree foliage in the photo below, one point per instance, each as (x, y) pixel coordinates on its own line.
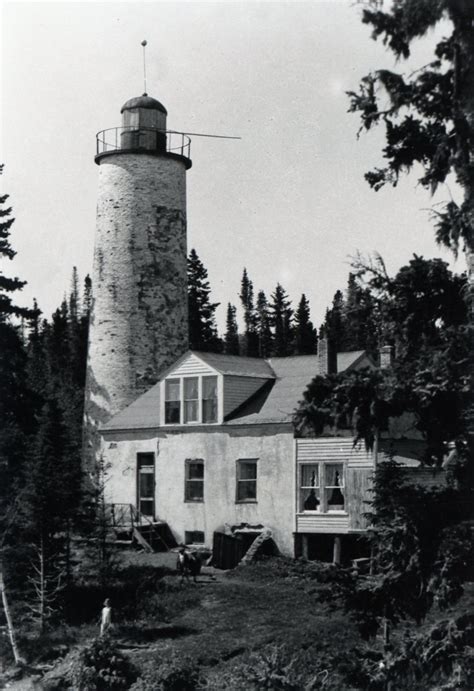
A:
(202, 325)
(429, 114)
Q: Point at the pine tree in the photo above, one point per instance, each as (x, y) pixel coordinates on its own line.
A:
(263, 326)
(202, 327)
(305, 338)
(47, 504)
(334, 324)
(247, 300)
(231, 339)
(16, 404)
(281, 319)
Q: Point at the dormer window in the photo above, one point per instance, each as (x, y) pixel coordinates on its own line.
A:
(172, 401)
(191, 400)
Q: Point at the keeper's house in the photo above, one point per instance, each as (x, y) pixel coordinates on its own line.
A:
(212, 444)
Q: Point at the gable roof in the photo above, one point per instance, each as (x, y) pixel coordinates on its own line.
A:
(237, 365)
(284, 380)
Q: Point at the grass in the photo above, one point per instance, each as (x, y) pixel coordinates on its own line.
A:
(230, 627)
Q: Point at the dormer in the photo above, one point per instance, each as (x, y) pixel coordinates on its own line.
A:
(204, 388)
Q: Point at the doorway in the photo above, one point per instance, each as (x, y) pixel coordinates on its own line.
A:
(146, 484)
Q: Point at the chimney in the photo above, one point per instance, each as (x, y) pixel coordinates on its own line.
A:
(386, 356)
(327, 356)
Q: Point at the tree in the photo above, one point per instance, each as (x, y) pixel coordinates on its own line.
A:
(334, 323)
(231, 338)
(281, 316)
(424, 315)
(305, 335)
(429, 116)
(48, 500)
(263, 326)
(362, 322)
(202, 326)
(250, 319)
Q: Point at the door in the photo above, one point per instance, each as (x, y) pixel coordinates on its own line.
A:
(146, 484)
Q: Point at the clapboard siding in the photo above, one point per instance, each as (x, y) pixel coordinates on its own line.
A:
(238, 389)
(324, 523)
(358, 484)
(337, 449)
(190, 366)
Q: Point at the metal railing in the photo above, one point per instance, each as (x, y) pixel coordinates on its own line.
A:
(146, 138)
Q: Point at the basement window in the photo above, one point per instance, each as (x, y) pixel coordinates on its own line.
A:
(194, 537)
(246, 490)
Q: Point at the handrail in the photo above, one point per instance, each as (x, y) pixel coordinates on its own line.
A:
(109, 140)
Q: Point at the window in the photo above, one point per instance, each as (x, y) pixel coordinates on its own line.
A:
(209, 399)
(309, 487)
(194, 537)
(194, 480)
(334, 480)
(246, 480)
(321, 487)
(191, 400)
(172, 401)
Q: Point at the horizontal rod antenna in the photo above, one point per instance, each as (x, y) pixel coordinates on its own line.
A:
(199, 134)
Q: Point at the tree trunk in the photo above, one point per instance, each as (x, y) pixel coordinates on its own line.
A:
(11, 631)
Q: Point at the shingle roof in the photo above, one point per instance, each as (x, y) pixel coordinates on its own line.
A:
(277, 400)
(238, 365)
(346, 359)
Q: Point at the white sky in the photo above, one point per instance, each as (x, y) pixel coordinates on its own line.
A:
(289, 201)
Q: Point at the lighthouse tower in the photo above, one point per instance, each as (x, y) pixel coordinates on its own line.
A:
(139, 320)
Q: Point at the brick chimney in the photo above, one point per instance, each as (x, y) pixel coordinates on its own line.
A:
(386, 356)
(327, 356)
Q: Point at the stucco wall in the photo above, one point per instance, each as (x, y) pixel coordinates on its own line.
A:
(220, 450)
(139, 320)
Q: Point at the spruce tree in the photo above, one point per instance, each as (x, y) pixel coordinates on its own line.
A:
(282, 322)
(263, 326)
(202, 326)
(231, 339)
(247, 300)
(334, 324)
(305, 338)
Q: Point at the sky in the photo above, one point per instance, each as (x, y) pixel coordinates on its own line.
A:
(288, 201)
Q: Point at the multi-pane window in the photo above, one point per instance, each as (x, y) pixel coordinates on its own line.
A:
(209, 399)
(172, 401)
(194, 480)
(333, 485)
(321, 487)
(309, 487)
(191, 400)
(246, 480)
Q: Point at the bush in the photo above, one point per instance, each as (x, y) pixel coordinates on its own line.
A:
(101, 667)
(177, 673)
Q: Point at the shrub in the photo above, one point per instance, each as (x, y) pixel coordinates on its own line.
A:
(100, 667)
(177, 673)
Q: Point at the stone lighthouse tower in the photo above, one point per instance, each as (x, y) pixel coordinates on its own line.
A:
(139, 323)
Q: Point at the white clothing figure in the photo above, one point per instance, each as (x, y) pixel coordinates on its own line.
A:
(106, 619)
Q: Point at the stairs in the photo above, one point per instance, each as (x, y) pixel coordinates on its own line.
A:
(128, 523)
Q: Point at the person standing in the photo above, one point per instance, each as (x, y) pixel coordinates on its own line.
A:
(106, 618)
